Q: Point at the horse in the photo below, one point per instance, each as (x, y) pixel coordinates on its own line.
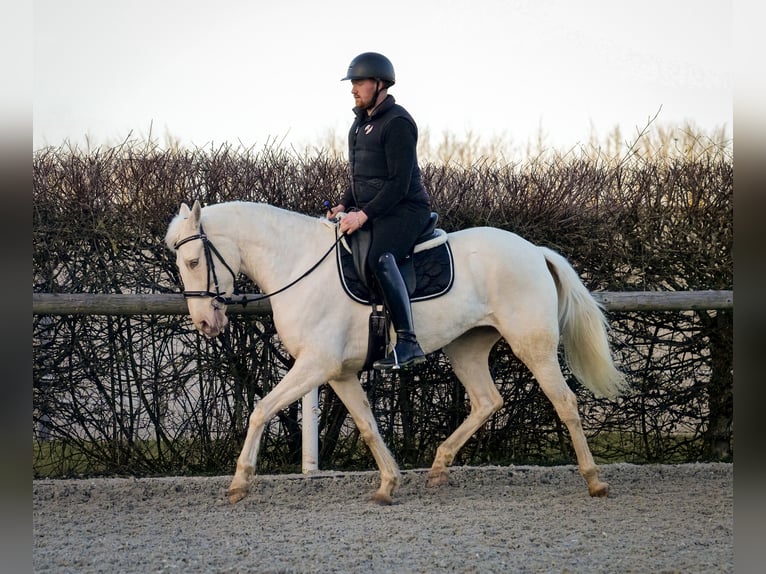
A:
(504, 286)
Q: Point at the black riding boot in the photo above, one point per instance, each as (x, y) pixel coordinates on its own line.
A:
(407, 351)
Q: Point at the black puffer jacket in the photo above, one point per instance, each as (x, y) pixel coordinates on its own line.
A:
(382, 151)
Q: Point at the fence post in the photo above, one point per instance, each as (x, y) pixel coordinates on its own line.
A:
(310, 431)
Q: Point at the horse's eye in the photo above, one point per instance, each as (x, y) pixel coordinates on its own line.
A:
(193, 263)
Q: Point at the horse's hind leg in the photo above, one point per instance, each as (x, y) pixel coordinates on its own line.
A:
(469, 356)
(546, 369)
(350, 392)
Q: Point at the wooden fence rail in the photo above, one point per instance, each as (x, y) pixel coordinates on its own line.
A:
(174, 304)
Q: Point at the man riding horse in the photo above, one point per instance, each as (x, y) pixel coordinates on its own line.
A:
(386, 194)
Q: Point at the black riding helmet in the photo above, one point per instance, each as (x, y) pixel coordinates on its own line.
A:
(375, 66)
(371, 65)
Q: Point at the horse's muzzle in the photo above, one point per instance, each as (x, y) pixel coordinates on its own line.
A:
(210, 320)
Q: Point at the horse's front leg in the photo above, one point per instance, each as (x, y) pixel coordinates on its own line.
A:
(351, 393)
(297, 382)
(240, 484)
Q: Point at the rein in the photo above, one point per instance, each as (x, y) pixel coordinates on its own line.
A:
(211, 250)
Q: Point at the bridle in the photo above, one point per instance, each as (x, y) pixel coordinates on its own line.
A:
(217, 295)
(209, 250)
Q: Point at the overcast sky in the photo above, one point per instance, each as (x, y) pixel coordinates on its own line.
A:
(235, 71)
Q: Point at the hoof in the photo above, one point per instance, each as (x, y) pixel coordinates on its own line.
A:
(381, 499)
(236, 494)
(600, 490)
(437, 479)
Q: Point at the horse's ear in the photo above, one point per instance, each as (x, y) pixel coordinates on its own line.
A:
(196, 211)
(184, 211)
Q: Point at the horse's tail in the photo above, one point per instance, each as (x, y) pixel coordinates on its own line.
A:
(583, 331)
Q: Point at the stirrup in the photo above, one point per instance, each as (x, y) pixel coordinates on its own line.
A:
(392, 361)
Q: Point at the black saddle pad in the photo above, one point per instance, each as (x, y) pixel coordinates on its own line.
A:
(434, 274)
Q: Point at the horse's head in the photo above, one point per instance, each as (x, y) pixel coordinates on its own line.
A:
(204, 269)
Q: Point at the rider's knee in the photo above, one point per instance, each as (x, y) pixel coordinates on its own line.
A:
(386, 259)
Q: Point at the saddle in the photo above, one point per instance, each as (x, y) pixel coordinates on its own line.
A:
(428, 273)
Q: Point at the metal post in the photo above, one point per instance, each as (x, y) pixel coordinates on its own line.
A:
(310, 431)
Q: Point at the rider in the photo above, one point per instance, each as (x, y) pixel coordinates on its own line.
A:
(386, 193)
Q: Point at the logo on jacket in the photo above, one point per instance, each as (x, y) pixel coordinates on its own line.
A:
(368, 129)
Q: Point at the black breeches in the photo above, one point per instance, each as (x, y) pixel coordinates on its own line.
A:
(396, 233)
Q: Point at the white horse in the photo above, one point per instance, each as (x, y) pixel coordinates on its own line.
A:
(504, 286)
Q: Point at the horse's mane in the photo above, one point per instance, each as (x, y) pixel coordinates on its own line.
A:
(269, 213)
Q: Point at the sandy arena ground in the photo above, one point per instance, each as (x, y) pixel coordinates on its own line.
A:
(658, 518)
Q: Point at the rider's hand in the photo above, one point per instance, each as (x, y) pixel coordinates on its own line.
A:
(353, 221)
(332, 212)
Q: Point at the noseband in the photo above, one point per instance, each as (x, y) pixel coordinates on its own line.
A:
(210, 250)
